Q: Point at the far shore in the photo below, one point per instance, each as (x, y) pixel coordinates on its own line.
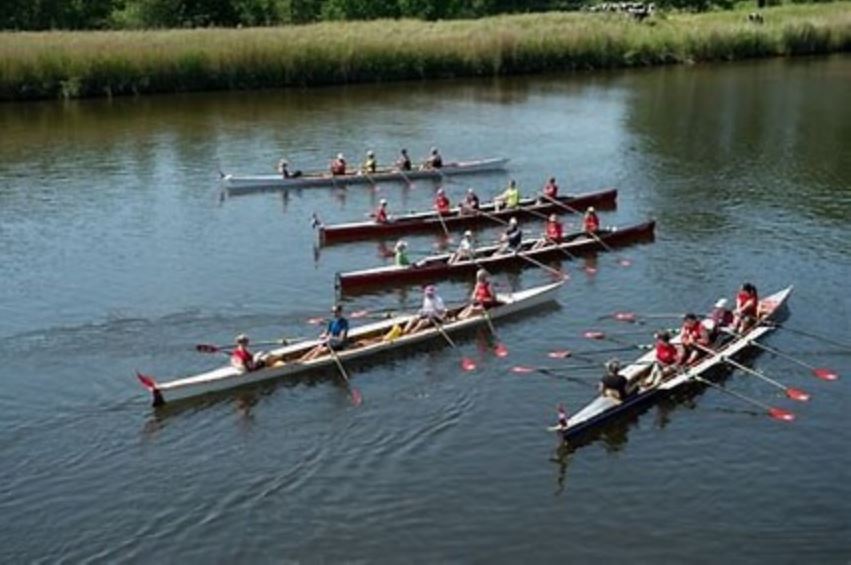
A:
(56, 65)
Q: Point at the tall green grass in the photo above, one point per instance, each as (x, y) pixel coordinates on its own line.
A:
(80, 64)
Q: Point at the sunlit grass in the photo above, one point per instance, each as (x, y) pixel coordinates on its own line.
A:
(77, 64)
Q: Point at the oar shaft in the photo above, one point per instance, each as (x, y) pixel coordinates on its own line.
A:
(742, 397)
(539, 264)
(825, 339)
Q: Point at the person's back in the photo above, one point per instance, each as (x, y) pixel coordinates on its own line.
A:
(404, 162)
(371, 164)
(613, 384)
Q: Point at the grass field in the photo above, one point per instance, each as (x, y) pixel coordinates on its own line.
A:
(81, 64)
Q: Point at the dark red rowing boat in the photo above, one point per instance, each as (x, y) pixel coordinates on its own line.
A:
(428, 221)
(437, 267)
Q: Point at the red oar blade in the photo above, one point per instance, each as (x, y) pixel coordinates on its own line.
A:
(624, 316)
(780, 414)
(147, 381)
(359, 314)
(559, 354)
(500, 350)
(590, 270)
(315, 321)
(797, 394)
(826, 374)
(357, 397)
(522, 369)
(624, 262)
(468, 364)
(594, 335)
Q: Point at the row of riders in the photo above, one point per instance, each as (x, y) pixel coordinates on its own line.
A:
(339, 166)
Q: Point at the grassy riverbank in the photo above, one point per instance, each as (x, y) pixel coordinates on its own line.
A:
(80, 64)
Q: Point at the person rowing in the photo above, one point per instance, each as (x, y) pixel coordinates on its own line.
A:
(693, 339)
(553, 234)
(590, 222)
(747, 308)
(665, 362)
(441, 202)
(483, 296)
(241, 357)
(403, 163)
(613, 384)
(510, 198)
(719, 318)
(381, 216)
(434, 160)
(371, 164)
(550, 189)
(511, 239)
(400, 257)
(338, 165)
(471, 203)
(466, 251)
(432, 312)
(283, 169)
(335, 336)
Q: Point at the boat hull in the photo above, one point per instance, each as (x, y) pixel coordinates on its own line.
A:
(227, 377)
(244, 184)
(428, 221)
(437, 267)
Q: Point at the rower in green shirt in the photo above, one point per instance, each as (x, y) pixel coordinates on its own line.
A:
(510, 198)
(401, 257)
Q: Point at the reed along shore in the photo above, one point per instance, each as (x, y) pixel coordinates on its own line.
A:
(44, 65)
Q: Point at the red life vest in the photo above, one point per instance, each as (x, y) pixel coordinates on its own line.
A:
(242, 357)
(483, 293)
(381, 215)
(746, 304)
(591, 222)
(441, 203)
(666, 353)
(551, 189)
(690, 335)
(554, 231)
(338, 167)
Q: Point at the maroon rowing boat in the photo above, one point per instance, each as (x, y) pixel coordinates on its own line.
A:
(437, 267)
(530, 208)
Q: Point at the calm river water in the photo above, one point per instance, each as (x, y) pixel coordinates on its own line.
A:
(118, 253)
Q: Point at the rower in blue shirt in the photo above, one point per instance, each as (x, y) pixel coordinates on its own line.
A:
(335, 336)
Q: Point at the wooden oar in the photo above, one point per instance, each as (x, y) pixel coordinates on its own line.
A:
(466, 363)
(557, 373)
(208, 348)
(443, 225)
(772, 411)
(355, 393)
(793, 393)
(555, 272)
(820, 372)
(566, 353)
(627, 316)
(500, 349)
(823, 338)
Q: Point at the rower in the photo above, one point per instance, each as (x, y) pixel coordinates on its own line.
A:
(380, 215)
(508, 199)
(721, 317)
(483, 296)
(403, 163)
(434, 161)
(370, 165)
(465, 251)
(613, 384)
(471, 202)
(400, 258)
(551, 188)
(747, 306)
(441, 202)
(335, 336)
(591, 223)
(553, 234)
(511, 239)
(338, 165)
(665, 362)
(693, 339)
(241, 357)
(283, 169)
(433, 311)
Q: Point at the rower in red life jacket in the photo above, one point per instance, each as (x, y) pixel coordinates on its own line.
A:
(338, 165)
(553, 234)
(693, 337)
(591, 223)
(483, 296)
(441, 202)
(666, 359)
(551, 188)
(747, 308)
(380, 215)
(241, 358)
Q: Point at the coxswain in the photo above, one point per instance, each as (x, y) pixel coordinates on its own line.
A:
(433, 311)
(370, 165)
(511, 239)
(591, 223)
(747, 308)
(434, 161)
(665, 361)
(400, 257)
(553, 233)
(508, 199)
(380, 215)
(338, 165)
(471, 202)
(465, 251)
(721, 317)
(483, 296)
(335, 336)
(693, 339)
(613, 384)
(551, 188)
(403, 163)
(441, 202)
(241, 357)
